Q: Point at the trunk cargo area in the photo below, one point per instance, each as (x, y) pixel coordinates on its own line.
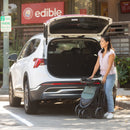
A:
(72, 58)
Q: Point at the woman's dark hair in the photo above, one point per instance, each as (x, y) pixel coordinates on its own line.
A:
(107, 39)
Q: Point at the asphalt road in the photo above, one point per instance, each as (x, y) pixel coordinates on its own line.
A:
(58, 117)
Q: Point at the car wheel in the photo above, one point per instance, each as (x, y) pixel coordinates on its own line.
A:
(13, 101)
(29, 106)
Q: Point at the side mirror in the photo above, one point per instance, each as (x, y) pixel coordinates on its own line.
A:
(13, 57)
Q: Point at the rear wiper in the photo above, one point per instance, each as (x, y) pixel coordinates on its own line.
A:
(81, 36)
(68, 36)
(65, 36)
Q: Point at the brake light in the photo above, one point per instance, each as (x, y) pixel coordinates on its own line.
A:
(38, 62)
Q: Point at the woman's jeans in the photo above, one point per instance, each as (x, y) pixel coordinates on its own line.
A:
(108, 87)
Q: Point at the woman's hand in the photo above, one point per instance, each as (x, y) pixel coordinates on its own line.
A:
(91, 77)
(104, 80)
(95, 69)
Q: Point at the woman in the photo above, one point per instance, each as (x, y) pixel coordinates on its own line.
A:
(105, 61)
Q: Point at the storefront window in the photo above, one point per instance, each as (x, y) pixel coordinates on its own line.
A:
(84, 7)
(104, 8)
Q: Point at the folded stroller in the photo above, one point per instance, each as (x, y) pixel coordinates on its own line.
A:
(92, 103)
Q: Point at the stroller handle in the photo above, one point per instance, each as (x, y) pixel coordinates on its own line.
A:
(90, 81)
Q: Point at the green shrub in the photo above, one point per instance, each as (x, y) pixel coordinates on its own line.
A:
(123, 69)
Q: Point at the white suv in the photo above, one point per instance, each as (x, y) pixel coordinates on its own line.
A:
(51, 64)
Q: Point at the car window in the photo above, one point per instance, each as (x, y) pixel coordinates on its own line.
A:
(29, 48)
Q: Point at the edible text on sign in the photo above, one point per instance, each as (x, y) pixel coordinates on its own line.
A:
(48, 13)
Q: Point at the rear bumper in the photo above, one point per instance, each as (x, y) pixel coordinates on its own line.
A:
(64, 90)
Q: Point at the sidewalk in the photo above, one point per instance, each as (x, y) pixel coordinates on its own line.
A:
(123, 92)
(4, 94)
(120, 92)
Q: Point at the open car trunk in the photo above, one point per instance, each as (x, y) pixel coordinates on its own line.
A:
(72, 58)
(69, 25)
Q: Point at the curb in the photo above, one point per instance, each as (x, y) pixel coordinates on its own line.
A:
(4, 97)
(123, 92)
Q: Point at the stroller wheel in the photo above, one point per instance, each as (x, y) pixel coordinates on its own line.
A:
(99, 113)
(86, 113)
(80, 113)
(77, 109)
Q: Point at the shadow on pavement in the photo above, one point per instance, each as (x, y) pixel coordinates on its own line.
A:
(122, 105)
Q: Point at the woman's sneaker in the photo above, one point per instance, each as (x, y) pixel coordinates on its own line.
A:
(110, 116)
(105, 115)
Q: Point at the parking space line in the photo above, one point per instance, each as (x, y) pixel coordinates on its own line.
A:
(19, 118)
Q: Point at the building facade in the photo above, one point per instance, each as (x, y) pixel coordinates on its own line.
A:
(118, 10)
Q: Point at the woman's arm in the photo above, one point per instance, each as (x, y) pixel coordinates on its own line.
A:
(96, 67)
(110, 62)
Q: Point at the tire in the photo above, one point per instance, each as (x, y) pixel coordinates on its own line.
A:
(77, 109)
(13, 101)
(86, 113)
(99, 113)
(80, 113)
(30, 107)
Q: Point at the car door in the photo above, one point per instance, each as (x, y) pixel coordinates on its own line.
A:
(22, 64)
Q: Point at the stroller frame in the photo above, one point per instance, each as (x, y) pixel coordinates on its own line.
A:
(98, 104)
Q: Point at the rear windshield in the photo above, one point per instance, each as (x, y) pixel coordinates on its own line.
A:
(78, 25)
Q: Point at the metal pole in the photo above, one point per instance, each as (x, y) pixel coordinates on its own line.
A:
(129, 36)
(5, 53)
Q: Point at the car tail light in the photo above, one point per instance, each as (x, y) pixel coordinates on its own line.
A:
(38, 62)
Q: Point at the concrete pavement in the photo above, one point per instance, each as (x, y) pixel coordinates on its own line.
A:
(123, 92)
